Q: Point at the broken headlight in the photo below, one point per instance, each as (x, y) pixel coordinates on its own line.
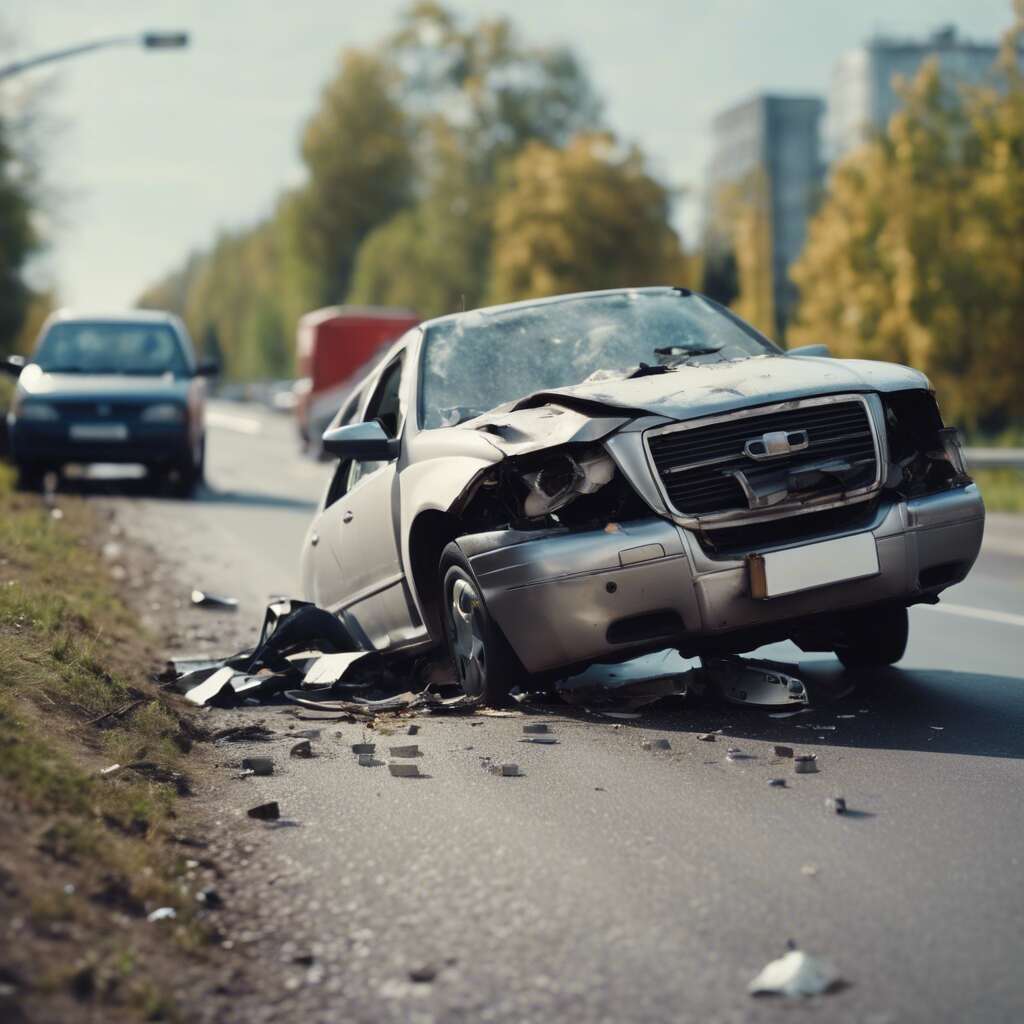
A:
(924, 455)
(561, 478)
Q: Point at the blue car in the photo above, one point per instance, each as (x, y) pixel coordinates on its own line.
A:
(110, 388)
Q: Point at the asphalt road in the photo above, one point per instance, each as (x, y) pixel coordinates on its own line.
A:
(612, 883)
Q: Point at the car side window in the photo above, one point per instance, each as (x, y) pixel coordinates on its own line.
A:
(385, 407)
(339, 482)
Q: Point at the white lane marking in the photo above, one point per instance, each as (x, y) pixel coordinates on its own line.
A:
(239, 424)
(988, 614)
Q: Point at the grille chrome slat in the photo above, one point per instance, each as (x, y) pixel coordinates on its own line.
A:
(695, 462)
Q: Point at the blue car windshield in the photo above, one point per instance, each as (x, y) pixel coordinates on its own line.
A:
(120, 348)
(483, 359)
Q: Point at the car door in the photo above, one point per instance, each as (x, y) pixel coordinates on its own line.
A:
(361, 528)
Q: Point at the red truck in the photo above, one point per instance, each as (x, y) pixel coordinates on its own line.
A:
(336, 347)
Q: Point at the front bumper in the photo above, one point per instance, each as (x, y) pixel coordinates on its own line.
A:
(50, 443)
(567, 598)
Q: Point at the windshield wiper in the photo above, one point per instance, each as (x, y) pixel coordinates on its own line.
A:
(673, 354)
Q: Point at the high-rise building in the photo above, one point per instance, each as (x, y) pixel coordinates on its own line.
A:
(766, 156)
(863, 97)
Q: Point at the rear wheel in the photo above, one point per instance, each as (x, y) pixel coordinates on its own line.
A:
(874, 636)
(30, 476)
(485, 664)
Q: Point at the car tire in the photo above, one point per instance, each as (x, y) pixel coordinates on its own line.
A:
(874, 636)
(30, 476)
(485, 664)
(189, 475)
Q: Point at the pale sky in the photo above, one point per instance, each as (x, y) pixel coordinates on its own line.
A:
(156, 152)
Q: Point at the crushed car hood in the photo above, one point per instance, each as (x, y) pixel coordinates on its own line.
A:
(703, 389)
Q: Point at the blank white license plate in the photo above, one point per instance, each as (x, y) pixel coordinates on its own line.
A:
(813, 565)
(99, 432)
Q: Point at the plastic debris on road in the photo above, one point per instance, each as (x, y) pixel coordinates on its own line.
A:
(795, 974)
(805, 764)
(411, 750)
(836, 804)
(509, 771)
(201, 599)
(777, 783)
(265, 812)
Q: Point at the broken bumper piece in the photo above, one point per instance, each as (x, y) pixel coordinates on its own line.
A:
(588, 595)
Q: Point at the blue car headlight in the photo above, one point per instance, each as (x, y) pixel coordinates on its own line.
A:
(163, 412)
(36, 412)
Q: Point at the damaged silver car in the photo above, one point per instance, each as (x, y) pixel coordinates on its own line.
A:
(586, 478)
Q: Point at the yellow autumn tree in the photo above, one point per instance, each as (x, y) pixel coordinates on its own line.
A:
(917, 253)
(587, 216)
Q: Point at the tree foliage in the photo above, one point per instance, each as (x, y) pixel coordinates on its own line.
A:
(419, 173)
(588, 215)
(917, 253)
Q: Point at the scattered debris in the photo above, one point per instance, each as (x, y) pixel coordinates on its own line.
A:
(777, 783)
(736, 754)
(782, 751)
(805, 764)
(836, 804)
(818, 728)
(265, 812)
(707, 737)
(424, 974)
(536, 727)
(302, 749)
(795, 974)
(754, 681)
(408, 751)
(546, 740)
(507, 770)
(404, 771)
(368, 761)
(413, 729)
(244, 734)
(108, 770)
(201, 599)
(937, 728)
(364, 748)
(210, 898)
(331, 668)
(307, 734)
(258, 765)
(810, 870)
(162, 914)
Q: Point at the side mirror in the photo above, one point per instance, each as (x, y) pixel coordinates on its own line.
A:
(365, 442)
(809, 350)
(207, 368)
(12, 365)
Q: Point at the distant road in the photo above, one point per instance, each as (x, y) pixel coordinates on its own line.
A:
(616, 884)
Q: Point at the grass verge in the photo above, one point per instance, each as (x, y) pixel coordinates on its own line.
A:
(84, 856)
(1002, 489)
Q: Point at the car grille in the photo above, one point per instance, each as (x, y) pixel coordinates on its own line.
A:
(695, 463)
(91, 409)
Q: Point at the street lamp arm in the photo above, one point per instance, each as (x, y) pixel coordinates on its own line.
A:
(150, 40)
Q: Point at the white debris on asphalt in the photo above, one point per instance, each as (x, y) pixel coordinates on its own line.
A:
(795, 974)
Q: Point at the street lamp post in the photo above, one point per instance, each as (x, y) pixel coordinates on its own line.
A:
(148, 41)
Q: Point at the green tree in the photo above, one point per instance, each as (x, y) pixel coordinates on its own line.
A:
(358, 152)
(18, 240)
(587, 216)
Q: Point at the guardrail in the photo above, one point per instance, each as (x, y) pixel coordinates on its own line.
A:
(995, 458)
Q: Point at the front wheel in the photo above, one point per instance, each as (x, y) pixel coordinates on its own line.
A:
(874, 636)
(485, 664)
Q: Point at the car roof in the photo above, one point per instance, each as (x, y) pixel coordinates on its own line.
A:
(527, 303)
(130, 316)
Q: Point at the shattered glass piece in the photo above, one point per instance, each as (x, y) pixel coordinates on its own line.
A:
(795, 974)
